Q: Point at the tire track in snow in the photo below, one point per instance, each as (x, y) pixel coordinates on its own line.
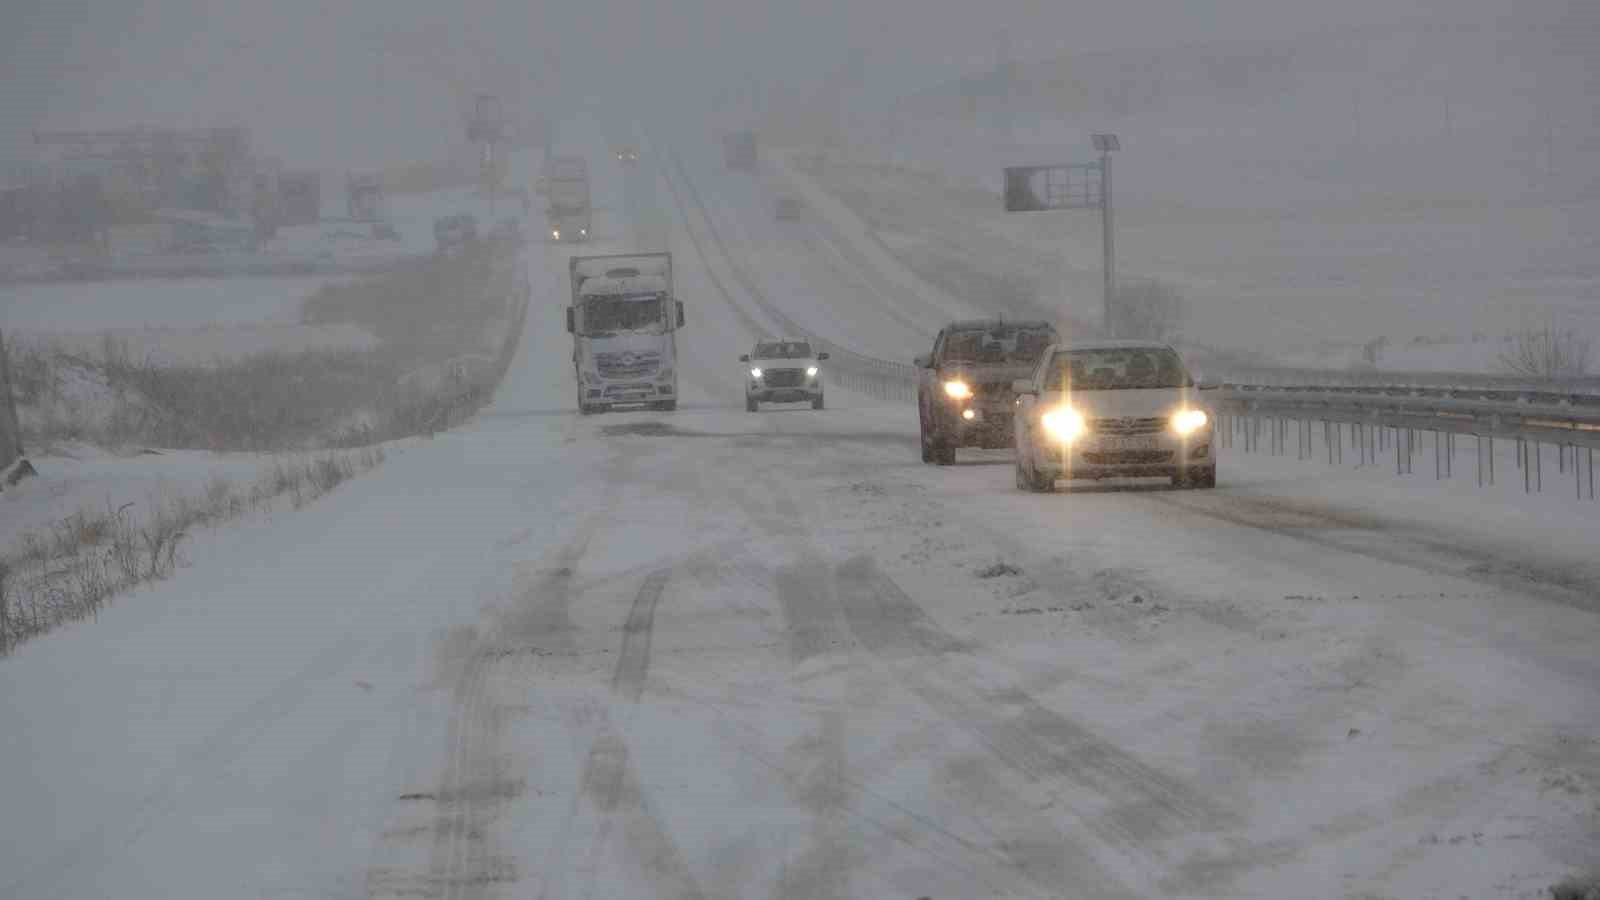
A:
(1023, 840)
(609, 785)
(1140, 805)
(633, 660)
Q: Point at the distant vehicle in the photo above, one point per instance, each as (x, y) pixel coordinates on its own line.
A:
(1112, 409)
(788, 207)
(739, 151)
(783, 371)
(624, 321)
(566, 192)
(964, 394)
(453, 233)
(627, 155)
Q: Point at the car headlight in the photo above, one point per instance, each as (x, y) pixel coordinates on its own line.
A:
(583, 232)
(755, 373)
(957, 390)
(811, 371)
(555, 233)
(1187, 421)
(1064, 424)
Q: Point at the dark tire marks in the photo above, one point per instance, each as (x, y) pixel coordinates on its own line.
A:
(633, 660)
(1139, 806)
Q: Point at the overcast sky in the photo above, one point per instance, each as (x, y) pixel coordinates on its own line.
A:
(309, 77)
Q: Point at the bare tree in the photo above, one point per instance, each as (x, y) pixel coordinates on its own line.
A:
(1547, 353)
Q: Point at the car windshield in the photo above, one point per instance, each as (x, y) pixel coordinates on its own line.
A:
(1111, 369)
(1002, 345)
(623, 312)
(783, 350)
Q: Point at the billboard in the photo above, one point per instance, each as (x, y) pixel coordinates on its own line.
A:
(1040, 188)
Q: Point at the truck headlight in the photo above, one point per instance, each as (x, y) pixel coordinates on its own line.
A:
(811, 371)
(1186, 421)
(1064, 424)
(755, 373)
(957, 390)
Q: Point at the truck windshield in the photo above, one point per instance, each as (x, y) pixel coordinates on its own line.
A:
(1117, 369)
(604, 316)
(1003, 345)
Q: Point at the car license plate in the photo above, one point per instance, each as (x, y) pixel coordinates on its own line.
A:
(1143, 442)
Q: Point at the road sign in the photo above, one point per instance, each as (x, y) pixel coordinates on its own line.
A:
(1040, 188)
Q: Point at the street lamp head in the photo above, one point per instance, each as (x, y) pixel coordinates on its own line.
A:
(1105, 143)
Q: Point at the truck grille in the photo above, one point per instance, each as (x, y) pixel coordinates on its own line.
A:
(782, 378)
(1128, 457)
(1128, 426)
(625, 366)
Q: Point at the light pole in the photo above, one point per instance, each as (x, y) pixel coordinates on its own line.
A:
(1106, 143)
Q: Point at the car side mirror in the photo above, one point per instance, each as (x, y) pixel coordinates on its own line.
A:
(572, 321)
(923, 362)
(745, 357)
(680, 312)
(1022, 387)
(822, 356)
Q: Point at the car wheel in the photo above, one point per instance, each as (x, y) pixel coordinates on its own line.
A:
(750, 404)
(1205, 479)
(922, 437)
(944, 450)
(817, 403)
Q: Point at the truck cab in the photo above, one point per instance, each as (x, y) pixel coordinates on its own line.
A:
(624, 321)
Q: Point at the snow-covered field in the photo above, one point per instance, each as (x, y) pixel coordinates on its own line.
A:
(714, 653)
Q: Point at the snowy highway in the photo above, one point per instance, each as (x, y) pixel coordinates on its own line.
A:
(711, 653)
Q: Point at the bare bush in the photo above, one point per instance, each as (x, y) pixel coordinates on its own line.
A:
(1148, 310)
(72, 568)
(1547, 353)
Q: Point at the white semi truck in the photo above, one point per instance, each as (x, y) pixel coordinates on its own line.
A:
(624, 321)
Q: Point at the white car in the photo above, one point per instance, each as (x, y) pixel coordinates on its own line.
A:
(783, 371)
(1112, 409)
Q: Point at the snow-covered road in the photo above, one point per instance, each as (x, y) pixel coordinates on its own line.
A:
(719, 654)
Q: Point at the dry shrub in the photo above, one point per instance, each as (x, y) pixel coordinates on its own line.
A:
(1547, 353)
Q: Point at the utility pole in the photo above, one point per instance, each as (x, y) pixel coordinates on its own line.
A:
(1106, 143)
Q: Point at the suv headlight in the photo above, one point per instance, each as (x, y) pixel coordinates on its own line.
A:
(1187, 421)
(755, 373)
(1064, 424)
(957, 390)
(811, 371)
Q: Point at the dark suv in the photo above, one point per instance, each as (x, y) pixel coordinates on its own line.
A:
(964, 396)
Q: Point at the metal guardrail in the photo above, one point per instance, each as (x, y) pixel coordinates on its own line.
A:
(1374, 421)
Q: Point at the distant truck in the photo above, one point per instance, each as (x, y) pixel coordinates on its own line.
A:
(565, 185)
(624, 321)
(739, 151)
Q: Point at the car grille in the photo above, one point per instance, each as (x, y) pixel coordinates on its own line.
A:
(782, 378)
(627, 367)
(1128, 457)
(1128, 426)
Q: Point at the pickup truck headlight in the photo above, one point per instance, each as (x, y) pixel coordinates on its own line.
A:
(957, 390)
(755, 373)
(811, 371)
(1187, 421)
(1064, 423)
